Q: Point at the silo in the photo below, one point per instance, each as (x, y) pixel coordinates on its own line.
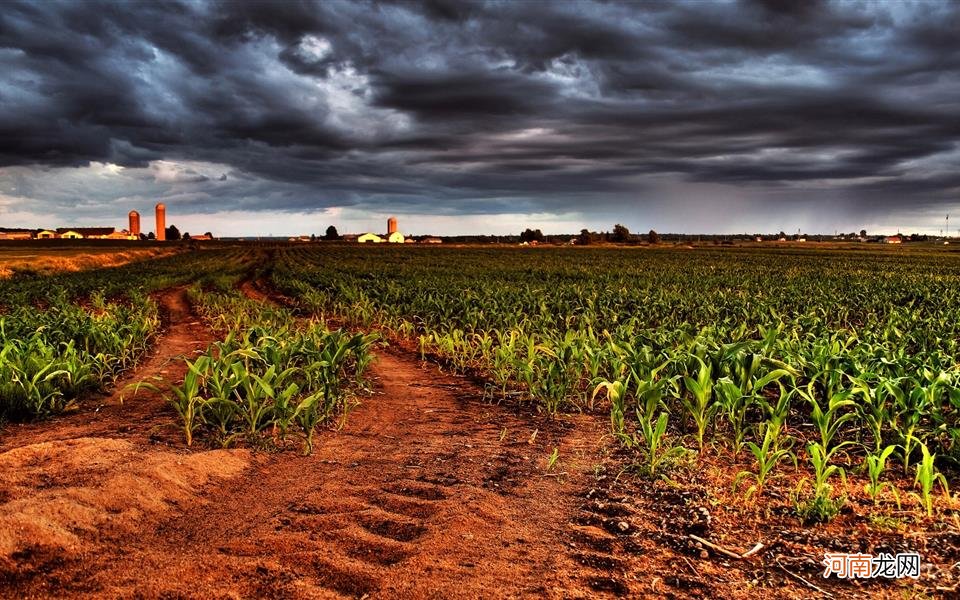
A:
(161, 222)
(391, 225)
(134, 227)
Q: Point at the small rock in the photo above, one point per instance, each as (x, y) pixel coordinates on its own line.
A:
(704, 554)
(623, 526)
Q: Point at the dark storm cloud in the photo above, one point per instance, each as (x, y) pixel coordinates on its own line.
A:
(478, 106)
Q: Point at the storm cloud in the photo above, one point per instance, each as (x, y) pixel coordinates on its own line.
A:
(681, 115)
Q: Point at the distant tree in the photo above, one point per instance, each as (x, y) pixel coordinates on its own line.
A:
(863, 233)
(151, 236)
(585, 238)
(173, 234)
(620, 234)
(782, 235)
(143, 237)
(186, 235)
(331, 234)
(531, 235)
(313, 237)
(209, 235)
(653, 237)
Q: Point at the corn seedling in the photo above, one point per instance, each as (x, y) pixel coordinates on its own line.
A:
(927, 477)
(876, 463)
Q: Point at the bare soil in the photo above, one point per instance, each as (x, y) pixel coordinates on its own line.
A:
(426, 491)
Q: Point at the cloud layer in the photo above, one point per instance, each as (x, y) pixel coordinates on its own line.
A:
(765, 115)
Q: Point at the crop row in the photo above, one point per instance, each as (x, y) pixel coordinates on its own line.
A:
(271, 373)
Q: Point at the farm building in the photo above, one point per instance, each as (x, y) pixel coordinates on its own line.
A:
(46, 234)
(431, 240)
(120, 235)
(894, 239)
(90, 233)
(95, 233)
(395, 237)
(369, 237)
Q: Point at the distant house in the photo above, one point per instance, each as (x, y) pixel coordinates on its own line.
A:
(120, 235)
(16, 235)
(395, 238)
(46, 234)
(91, 233)
(370, 237)
(431, 240)
(206, 238)
(893, 239)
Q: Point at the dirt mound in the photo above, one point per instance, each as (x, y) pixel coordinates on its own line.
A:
(59, 495)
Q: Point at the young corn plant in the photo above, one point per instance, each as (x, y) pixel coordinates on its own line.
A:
(828, 418)
(185, 398)
(699, 403)
(872, 406)
(653, 433)
(820, 506)
(309, 414)
(876, 464)
(616, 394)
(911, 401)
(927, 477)
(768, 454)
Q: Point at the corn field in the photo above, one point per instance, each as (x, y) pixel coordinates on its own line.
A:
(841, 366)
(835, 371)
(65, 337)
(72, 334)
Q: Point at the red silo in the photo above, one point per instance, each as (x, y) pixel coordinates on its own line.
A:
(391, 225)
(134, 227)
(161, 222)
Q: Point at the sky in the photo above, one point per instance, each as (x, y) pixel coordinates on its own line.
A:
(281, 118)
